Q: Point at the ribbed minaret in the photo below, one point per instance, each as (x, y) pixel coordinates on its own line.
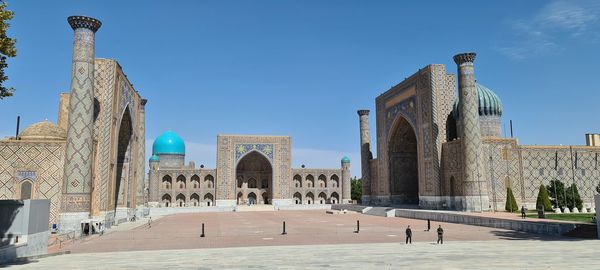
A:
(77, 182)
(474, 188)
(346, 181)
(365, 155)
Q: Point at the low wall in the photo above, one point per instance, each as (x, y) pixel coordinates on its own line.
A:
(305, 207)
(37, 244)
(349, 207)
(163, 211)
(547, 228)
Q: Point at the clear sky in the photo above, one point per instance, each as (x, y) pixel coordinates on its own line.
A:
(303, 68)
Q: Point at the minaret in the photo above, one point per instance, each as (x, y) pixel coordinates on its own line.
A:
(474, 187)
(77, 182)
(153, 181)
(346, 184)
(365, 155)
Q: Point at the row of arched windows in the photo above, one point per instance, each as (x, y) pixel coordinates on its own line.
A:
(181, 182)
(194, 200)
(309, 181)
(322, 198)
(253, 183)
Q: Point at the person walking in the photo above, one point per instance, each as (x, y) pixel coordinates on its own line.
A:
(523, 211)
(440, 233)
(428, 224)
(150, 223)
(408, 235)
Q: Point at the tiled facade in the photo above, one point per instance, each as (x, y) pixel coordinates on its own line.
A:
(250, 170)
(104, 170)
(418, 111)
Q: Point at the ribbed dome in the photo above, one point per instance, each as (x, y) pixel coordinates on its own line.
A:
(345, 159)
(168, 143)
(44, 130)
(489, 103)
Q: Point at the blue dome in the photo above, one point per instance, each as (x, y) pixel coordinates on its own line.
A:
(168, 143)
(154, 158)
(489, 102)
(345, 159)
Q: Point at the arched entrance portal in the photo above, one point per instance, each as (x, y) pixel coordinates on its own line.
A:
(122, 181)
(403, 164)
(255, 176)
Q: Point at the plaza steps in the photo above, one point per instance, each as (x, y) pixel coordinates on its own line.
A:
(369, 210)
(255, 208)
(584, 231)
(571, 229)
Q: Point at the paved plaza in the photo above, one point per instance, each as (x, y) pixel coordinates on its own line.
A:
(314, 239)
(242, 229)
(496, 254)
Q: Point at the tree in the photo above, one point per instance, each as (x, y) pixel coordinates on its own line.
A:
(356, 190)
(511, 202)
(573, 197)
(556, 191)
(543, 200)
(7, 48)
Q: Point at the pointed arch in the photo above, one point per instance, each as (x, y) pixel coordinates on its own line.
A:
(310, 181)
(335, 181)
(297, 198)
(322, 180)
(297, 181)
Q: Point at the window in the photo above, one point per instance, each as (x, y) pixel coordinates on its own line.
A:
(26, 190)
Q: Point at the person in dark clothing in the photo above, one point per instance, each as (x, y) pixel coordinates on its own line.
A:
(408, 235)
(523, 211)
(440, 233)
(428, 224)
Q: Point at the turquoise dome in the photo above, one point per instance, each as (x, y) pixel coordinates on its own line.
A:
(489, 102)
(345, 159)
(168, 143)
(154, 158)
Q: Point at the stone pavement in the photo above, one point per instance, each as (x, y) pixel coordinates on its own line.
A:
(497, 254)
(243, 229)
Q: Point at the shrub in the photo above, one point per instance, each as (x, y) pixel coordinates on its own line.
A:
(556, 191)
(573, 197)
(543, 199)
(511, 203)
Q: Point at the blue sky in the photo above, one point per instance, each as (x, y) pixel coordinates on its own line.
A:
(303, 68)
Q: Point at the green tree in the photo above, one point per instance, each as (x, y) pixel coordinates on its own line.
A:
(556, 191)
(356, 190)
(7, 48)
(573, 197)
(543, 200)
(511, 202)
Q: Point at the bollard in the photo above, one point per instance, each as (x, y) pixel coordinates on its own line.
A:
(357, 226)
(284, 233)
(202, 235)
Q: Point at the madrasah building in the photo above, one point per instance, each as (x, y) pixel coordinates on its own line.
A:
(439, 147)
(91, 163)
(249, 170)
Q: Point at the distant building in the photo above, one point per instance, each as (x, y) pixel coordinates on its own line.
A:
(250, 170)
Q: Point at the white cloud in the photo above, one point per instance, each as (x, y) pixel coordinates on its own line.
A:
(541, 33)
(206, 154)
